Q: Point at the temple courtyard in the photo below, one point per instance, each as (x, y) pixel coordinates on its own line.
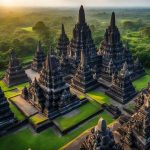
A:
(75, 121)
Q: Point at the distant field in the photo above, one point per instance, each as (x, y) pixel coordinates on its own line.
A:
(29, 29)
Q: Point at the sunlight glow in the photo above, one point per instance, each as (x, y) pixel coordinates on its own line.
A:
(7, 2)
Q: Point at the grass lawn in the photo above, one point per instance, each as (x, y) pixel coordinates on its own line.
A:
(80, 114)
(17, 113)
(29, 29)
(81, 96)
(98, 96)
(47, 140)
(37, 119)
(147, 70)
(12, 93)
(141, 83)
(19, 87)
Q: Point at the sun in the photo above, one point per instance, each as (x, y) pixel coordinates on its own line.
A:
(7, 2)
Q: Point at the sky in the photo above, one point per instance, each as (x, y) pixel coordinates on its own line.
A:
(76, 3)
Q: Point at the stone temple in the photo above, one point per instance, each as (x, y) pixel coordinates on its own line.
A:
(122, 89)
(100, 138)
(38, 59)
(82, 32)
(15, 74)
(62, 48)
(83, 79)
(135, 134)
(114, 54)
(50, 94)
(7, 119)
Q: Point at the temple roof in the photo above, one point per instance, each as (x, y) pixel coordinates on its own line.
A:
(81, 15)
(51, 62)
(113, 20)
(102, 126)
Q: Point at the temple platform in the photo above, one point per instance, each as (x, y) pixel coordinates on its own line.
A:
(27, 109)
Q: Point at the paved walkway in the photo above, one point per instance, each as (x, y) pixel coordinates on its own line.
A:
(26, 108)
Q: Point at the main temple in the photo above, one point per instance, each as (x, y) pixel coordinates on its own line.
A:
(50, 94)
(15, 74)
(114, 54)
(82, 32)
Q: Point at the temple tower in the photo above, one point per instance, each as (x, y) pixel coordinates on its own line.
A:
(50, 93)
(38, 59)
(112, 49)
(15, 74)
(83, 79)
(63, 43)
(7, 119)
(122, 89)
(81, 29)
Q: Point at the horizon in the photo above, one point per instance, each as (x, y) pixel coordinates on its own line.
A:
(77, 3)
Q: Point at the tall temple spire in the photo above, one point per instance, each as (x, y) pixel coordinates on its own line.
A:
(39, 48)
(81, 15)
(62, 29)
(113, 20)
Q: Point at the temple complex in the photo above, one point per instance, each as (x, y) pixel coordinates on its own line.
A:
(122, 89)
(83, 79)
(7, 119)
(82, 32)
(114, 54)
(38, 59)
(50, 94)
(135, 134)
(100, 138)
(15, 74)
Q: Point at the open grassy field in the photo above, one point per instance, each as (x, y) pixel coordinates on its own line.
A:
(141, 83)
(77, 115)
(47, 140)
(99, 96)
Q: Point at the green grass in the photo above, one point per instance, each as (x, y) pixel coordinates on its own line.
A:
(100, 97)
(17, 113)
(47, 140)
(141, 83)
(19, 87)
(12, 93)
(29, 29)
(83, 112)
(37, 119)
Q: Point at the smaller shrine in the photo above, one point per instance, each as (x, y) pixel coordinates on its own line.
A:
(15, 74)
(38, 59)
(100, 138)
(122, 89)
(83, 79)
